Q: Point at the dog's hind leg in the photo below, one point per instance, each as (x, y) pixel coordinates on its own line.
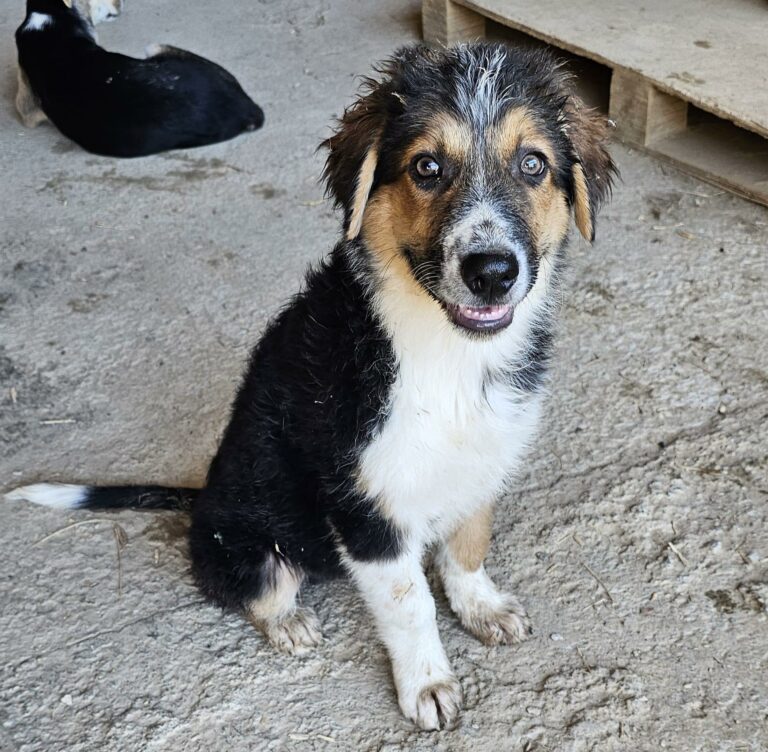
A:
(287, 626)
(243, 569)
(26, 103)
(494, 617)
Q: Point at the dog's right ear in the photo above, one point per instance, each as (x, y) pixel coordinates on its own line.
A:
(353, 151)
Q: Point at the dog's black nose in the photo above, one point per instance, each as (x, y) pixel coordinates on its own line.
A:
(489, 275)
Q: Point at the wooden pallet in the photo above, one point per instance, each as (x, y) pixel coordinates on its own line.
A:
(689, 78)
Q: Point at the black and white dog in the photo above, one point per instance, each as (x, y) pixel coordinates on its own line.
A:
(116, 105)
(386, 409)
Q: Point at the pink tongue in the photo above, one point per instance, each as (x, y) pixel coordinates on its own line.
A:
(485, 313)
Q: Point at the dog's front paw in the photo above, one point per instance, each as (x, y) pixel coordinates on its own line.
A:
(294, 633)
(501, 623)
(434, 706)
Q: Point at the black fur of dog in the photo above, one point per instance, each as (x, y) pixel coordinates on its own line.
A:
(116, 105)
(386, 409)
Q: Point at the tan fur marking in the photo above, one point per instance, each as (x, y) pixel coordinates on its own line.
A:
(26, 103)
(549, 215)
(469, 544)
(402, 214)
(395, 216)
(454, 136)
(507, 134)
(68, 3)
(581, 206)
(517, 128)
(443, 133)
(362, 191)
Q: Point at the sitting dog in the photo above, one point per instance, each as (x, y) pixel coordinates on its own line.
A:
(116, 105)
(386, 409)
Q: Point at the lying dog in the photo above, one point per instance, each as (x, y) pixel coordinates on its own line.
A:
(116, 105)
(386, 409)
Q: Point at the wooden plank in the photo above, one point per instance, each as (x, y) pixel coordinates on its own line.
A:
(721, 154)
(707, 52)
(642, 113)
(446, 22)
(670, 63)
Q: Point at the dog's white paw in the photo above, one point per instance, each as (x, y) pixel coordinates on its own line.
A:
(294, 633)
(497, 623)
(433, 706)
(494, 617)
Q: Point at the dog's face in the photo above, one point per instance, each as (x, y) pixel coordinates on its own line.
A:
(466, 164)
(97, 11)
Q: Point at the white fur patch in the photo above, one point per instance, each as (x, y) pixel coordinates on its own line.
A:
(462, 232)
(290, 628)
(38, 22)
(478, 95)
(54, 495)
(453, 437)
(279, 598)
(103, 10)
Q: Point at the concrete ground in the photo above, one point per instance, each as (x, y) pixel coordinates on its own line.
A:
(130, 293)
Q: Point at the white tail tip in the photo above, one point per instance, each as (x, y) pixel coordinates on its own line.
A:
(55, 495)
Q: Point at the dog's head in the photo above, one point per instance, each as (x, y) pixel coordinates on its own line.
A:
(463, 166)
(97, 11)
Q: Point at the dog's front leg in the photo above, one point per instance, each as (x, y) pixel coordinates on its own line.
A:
(399, 598)
(491, 615)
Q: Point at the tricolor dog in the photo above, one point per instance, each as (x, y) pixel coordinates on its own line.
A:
(116, 105)
(387, 408)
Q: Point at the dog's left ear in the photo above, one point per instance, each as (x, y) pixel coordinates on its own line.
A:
(594, 169)
(353, 152)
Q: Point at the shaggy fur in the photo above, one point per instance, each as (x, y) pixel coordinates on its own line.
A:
(387, 408)
(116, 105)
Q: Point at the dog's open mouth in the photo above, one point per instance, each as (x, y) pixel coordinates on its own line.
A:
(481, 318)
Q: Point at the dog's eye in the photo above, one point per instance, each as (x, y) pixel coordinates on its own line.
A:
(533, 165)
(427, 167)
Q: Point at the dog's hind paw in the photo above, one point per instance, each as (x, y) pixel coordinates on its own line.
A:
(294, 633)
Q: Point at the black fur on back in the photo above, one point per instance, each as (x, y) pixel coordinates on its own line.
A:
(281, 483)
(121, 106)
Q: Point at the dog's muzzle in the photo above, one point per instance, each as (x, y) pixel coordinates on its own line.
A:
(491, 278)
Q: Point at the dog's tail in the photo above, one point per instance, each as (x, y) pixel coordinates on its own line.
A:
(65, 496)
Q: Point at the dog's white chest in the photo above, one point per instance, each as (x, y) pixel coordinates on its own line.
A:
(449, 443)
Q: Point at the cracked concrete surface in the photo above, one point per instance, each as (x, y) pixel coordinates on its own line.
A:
(130, 293)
